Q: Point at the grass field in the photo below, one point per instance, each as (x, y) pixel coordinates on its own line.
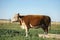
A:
(12, 31)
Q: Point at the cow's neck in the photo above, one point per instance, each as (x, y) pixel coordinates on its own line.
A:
(21, 16)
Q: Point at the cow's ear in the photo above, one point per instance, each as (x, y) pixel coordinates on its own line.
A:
(18, 13)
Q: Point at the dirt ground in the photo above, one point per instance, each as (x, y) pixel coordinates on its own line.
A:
(49, 36)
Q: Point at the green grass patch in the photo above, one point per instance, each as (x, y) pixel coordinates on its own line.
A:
(13, 31)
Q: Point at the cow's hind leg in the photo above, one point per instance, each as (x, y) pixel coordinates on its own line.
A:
(45, 30)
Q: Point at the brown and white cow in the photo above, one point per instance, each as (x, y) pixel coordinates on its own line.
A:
(34, 21)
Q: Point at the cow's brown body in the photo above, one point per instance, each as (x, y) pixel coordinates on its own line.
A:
(34, 21)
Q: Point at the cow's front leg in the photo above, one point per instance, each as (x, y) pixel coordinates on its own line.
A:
(26, 30)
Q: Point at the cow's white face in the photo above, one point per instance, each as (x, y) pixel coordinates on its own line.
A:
(15, 18)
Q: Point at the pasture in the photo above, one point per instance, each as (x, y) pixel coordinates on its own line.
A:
(12, 31)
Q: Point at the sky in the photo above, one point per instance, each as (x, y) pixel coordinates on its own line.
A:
(8, 8)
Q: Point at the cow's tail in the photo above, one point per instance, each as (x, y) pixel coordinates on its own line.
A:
(50, 26)
(49, 23)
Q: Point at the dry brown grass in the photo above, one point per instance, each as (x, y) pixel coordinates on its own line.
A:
(4, 21)
(55, 23)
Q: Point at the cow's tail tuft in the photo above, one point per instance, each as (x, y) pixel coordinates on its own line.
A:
(50, 26)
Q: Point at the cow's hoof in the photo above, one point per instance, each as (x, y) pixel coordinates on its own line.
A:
(45, 33)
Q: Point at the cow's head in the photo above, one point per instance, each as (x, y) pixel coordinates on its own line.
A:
(15, 18)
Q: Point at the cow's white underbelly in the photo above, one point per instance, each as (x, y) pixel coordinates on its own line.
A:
(23, 26)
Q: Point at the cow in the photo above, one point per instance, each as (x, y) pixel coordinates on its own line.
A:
(34, 21)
